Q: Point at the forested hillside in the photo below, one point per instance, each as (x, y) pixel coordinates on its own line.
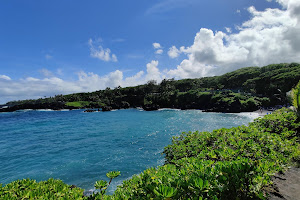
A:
(242, 90)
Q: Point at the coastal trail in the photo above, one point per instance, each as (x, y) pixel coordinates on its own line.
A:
(286, 186)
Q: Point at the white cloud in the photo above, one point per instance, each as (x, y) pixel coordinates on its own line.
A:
(101, 53)
(167, 5)
(153, 72)
(173, 52)
(32, 79)
(159, 51)
(4, 77)
(136, 79)
(228, 30)
(31, 87)
(270, 36)
(156, 45)
(114, 58)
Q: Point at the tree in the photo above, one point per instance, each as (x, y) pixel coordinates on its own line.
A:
(296, 98)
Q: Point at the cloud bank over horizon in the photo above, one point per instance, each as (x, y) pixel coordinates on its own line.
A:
(269, 36)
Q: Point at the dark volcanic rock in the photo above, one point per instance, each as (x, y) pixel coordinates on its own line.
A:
(151, 107)
(35, 106)
(90, 110)
(234, 107)
(106, 108)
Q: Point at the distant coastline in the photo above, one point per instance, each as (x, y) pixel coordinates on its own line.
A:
(243, 90)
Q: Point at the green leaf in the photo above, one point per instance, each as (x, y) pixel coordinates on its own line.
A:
(113, 174)
(199, 183)
(101, 184)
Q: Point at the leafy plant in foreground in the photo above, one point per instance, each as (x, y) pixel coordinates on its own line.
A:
(296, 98)
(102, 185)
(227, 163)
(30, 189)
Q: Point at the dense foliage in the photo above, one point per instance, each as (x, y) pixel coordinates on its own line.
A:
(235, 163)
(296, 98)
(30, 189)
(242, 90)
(232, 163)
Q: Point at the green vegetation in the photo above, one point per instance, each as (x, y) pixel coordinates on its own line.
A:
(296, 98)
(30, 189)
(233, 163)
(78, 104)
(84, 104)
(228, 163)
(103, 185)
(242, 90)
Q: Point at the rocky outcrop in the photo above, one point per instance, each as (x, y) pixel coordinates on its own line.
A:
(106, 108)
(234, 107)
(151, 107)
(36, 106)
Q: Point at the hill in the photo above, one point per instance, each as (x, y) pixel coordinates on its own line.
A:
(245, 89)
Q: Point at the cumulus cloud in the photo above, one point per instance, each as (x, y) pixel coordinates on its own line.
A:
(156, 45)
(153, 72)
(158, 48)
(31, 87)
(228, 30)
(101, 53)
(270, 36)
(4, 77)
(136, 79)
(159, 51)
(173, 52)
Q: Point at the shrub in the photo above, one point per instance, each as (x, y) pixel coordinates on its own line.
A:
(30, 189)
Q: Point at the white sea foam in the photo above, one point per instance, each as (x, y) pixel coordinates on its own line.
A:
(168, 109)
(251, 115)
(44, 110)
(25, 110)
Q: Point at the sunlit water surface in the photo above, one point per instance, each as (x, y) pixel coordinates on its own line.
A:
(80, 148)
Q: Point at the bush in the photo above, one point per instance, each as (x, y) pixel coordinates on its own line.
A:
(30, 189)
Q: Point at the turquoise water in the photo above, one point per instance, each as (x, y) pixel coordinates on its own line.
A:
(80, 148)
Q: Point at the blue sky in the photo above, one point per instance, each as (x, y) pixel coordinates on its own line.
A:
(59, 47)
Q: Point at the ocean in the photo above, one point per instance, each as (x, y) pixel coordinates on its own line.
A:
(80, 148)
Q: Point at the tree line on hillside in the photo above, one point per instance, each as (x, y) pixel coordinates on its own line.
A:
(245, 89)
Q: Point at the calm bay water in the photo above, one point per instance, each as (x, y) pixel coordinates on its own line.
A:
(80, 148)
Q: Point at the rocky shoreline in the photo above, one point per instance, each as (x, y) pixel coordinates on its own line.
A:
(152, 107)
